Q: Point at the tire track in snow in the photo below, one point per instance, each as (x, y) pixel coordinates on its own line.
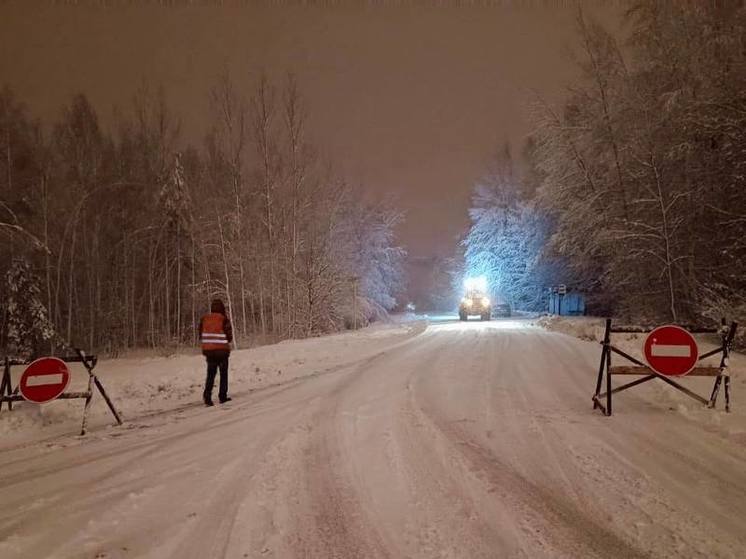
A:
(342, 528)
(566, 525)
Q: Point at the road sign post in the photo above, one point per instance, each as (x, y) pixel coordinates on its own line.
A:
(670, 351)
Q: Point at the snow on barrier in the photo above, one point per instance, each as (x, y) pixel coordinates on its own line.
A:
(46, 379)
(670, 351)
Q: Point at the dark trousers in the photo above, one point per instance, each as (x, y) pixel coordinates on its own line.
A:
(215, 362)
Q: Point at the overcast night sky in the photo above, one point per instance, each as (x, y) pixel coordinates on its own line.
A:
(404, 101)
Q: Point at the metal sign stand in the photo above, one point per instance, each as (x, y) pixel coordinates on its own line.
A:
(7, 394)
(720, 373)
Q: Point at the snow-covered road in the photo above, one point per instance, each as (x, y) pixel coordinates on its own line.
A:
(467, 440)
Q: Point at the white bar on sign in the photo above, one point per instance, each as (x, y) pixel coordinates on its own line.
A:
(43, 380)
(661, 350)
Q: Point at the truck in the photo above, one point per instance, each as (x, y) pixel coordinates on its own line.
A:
(475, 300)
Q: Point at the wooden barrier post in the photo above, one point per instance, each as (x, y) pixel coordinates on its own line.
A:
(602, 366)
(7, 392)
(89, 362)
(6, 385)
(727, 340)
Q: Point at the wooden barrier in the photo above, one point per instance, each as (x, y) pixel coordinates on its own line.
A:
(10, 395)
(605, 369)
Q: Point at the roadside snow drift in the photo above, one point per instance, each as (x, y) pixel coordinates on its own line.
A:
(151, 385)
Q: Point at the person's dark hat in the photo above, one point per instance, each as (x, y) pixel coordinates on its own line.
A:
(217, 306)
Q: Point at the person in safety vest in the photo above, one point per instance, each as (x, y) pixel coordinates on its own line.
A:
(216, 335)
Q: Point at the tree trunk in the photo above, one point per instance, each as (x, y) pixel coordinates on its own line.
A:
(227, 277)
(178, 284)
(666, 240)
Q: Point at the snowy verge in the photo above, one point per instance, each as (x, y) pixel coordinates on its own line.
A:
(142, 386)
(732, 425)
(583, 327)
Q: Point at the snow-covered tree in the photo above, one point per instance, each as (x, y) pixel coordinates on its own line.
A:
(643, 164)
(135, 231)
(506, 237)
(27, 321)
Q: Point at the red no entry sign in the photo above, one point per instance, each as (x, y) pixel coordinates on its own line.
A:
(671, 350)
(44, 380)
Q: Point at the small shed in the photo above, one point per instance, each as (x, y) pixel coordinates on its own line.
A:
(566, 302)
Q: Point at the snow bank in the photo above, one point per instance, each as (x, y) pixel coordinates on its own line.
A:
(583, 327)
(142, 386)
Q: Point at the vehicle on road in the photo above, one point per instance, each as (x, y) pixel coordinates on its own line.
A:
(501, 309)
(475, 300)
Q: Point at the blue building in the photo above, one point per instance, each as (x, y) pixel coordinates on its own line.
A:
(566, 302)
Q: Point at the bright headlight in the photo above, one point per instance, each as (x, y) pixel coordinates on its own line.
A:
(466, 302)
(477, 283)
(485, 301)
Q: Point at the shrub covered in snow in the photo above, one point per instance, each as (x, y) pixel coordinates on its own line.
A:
(27, 323)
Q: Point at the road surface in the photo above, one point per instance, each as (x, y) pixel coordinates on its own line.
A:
(468, 440)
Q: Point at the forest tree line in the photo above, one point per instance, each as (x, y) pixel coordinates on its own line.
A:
(634, 189)
(119, 239)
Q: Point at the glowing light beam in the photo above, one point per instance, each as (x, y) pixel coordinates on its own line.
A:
(478, 283)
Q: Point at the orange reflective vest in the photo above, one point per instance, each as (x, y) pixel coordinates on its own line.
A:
(213, 334)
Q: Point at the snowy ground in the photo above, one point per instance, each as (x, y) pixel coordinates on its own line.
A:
(465, 440)
(150, 385)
